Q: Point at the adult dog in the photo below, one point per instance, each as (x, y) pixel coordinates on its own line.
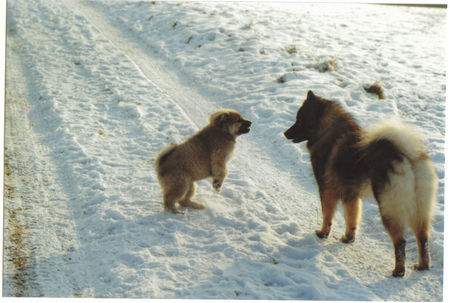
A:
(203, 155)
(388, 161)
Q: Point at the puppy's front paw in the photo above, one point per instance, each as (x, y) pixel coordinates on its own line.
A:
(217, 185)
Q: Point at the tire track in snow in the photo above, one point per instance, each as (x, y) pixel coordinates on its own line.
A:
(36, 241)
(153, 70)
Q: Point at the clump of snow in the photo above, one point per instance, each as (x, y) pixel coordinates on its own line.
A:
(96, 88)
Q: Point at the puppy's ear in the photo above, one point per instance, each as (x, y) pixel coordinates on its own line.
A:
(220, 119)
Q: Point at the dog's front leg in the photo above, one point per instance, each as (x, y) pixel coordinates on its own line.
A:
(352, 215)
(328, 201)
(218, 178)
(218, 170)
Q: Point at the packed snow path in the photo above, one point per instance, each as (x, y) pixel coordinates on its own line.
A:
(96, 88)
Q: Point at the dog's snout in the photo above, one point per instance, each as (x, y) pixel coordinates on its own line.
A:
(246, 123)
(245, 126)
(288, 134)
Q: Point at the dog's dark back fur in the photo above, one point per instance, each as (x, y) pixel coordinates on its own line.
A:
(339, 157)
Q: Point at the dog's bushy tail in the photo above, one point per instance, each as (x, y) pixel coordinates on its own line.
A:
(410, 144)
(406, 138)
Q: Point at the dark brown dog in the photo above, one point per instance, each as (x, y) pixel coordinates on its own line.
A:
(388, 161)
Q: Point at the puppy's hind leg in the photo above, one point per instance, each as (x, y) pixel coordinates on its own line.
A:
(187, 202)
(174, 192)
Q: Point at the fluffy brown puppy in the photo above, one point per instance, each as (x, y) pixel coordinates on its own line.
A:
(203, 155)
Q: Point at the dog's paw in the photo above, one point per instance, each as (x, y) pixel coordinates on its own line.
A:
(194, 205)
(217, 185)
(421, 267)
(174, 210)
(321, 234)
(398, 272)
(348, 239)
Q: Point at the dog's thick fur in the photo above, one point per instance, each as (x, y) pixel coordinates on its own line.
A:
(203, 155)
(387, 161)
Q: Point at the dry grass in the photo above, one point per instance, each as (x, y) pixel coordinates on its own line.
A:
(281, 79)
(376, 89)
(16, 252)
(291, 50)
(327, 65)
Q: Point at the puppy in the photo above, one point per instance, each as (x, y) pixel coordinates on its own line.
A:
(203, 155)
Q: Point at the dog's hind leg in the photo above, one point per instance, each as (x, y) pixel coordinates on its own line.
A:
(176, 191)
(395, 231)
(395, 194)
(328, 200)
(352, 213)
(425, 188)
(187, 202)
(422, 236)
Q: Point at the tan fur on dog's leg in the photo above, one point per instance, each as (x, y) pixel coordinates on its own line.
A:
(352, 214)
(329, 200)
(176, 191)
(218, 169)
(187, 202)
(189, 194)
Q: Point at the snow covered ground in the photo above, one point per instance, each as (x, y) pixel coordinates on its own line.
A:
(96, 88)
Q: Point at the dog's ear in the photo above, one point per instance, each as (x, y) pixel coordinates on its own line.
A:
(310, 96)
(311, 108)
(219, 119)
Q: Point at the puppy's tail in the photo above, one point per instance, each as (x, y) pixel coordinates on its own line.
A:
(407, 142)
(163, 156)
